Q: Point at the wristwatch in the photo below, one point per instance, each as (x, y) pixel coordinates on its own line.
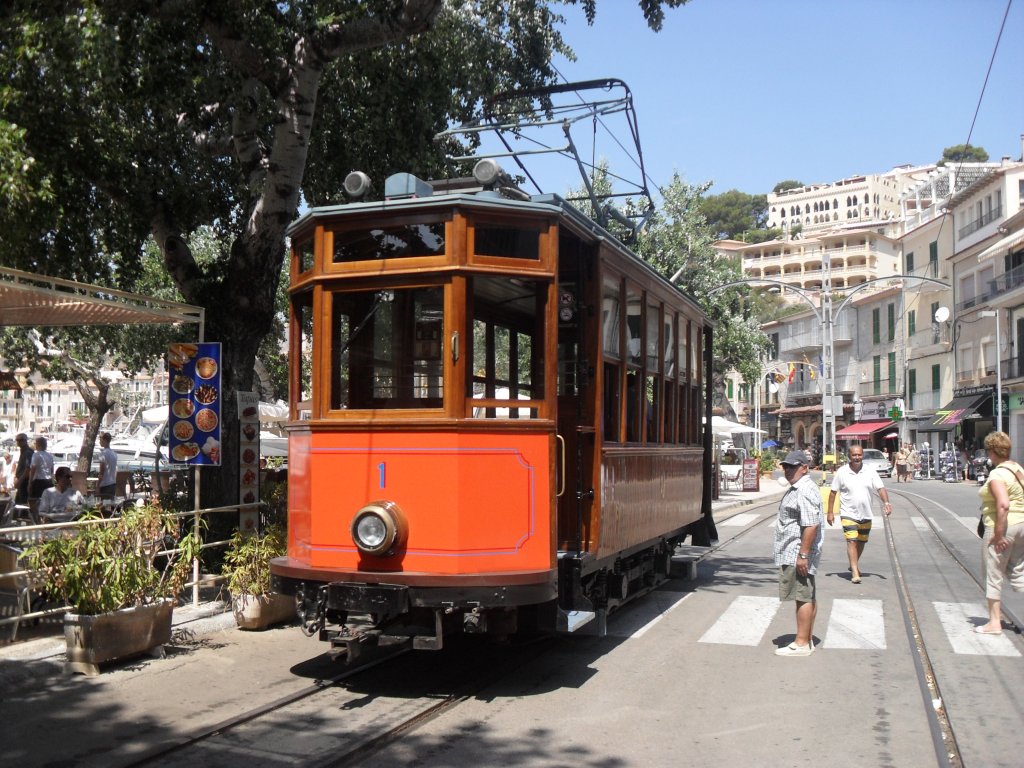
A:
(804, 555)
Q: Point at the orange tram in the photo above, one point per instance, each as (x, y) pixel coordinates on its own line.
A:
(496, 418)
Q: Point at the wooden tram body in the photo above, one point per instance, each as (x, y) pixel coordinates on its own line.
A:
(496, 415)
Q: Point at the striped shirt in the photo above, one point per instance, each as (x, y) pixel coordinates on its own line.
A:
(800, 508)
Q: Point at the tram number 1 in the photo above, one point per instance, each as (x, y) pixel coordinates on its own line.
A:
(380, 470)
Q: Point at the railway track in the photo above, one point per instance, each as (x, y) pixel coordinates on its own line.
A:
(265, 728)
(365, 710)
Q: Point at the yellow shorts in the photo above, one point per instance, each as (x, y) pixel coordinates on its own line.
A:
(856, 530)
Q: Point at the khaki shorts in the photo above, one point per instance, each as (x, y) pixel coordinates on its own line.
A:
(793, 587)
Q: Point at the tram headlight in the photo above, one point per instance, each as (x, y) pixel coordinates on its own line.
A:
(379, 528)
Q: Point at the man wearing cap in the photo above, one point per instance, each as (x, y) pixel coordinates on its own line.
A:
(60, 502)
(854, 483)
(798, 536)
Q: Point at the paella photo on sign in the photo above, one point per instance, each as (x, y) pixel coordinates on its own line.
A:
(206, 420)
(183, 408)
(183, 430)
(185, 451)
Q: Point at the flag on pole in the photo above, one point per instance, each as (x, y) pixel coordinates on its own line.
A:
(792, 372)
(779, 377)
(821, 366)
(810, 369)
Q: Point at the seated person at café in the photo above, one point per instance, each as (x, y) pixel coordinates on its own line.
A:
(60, 502)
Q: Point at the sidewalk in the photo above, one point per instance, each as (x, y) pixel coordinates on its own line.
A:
(769, 488)
(192, 621)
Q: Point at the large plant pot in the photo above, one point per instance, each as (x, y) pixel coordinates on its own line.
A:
(261, 612)
(92, 640)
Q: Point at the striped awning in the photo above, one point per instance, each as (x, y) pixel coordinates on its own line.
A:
(863, 429)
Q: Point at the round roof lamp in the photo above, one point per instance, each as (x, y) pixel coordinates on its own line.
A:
(357, 184)
(487, 172)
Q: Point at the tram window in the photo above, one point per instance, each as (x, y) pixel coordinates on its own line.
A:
(507, 318)
(652, 401)
(401, 241)
(670, 348)
(636, 403)
(611, 403)
(386, 349)
(634, 326)
(304, 255)
(610, 319)
(653, 347)
(510, 242)
(671, 427)
(302, 350)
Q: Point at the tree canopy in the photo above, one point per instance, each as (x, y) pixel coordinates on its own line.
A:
(127, 121)
(732, 213)
(963, 153)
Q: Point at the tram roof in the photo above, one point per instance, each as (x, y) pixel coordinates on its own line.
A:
(548, 203)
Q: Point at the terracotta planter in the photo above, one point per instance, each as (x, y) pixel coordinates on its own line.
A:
(261, 612)
(92, 640)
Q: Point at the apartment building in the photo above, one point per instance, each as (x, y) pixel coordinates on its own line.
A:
(987, 322)
(917, 360)
(857, 201)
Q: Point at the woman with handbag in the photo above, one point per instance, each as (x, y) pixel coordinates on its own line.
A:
(1002, 510)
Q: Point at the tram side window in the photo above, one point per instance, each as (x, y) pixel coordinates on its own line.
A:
(304, 255)
(302, 350)
(671, 376)
(510, 242)
(507, 318)
(652, 385)
(610, 325)
(386, 349)
(400, 241)
(636, 396)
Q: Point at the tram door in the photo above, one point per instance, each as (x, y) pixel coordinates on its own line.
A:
(576, 392)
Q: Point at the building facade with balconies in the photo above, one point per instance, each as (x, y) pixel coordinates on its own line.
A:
(987, 273)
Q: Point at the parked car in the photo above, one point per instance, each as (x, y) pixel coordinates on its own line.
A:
(878, 461)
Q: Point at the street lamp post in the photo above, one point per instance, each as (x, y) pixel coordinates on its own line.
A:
(825, 316)
(999, 369)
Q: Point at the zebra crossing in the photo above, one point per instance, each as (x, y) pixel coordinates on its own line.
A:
(855, 624)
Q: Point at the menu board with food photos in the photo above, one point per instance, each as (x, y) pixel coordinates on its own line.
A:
(248, 460)
(195, 390)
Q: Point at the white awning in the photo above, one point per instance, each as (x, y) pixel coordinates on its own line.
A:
(1002, 246)
(27, 299)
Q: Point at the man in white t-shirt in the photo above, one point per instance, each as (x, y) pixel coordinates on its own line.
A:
(854, 483)
(60, 502)
(108, 468)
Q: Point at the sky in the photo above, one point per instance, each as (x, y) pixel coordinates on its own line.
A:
(747, 93)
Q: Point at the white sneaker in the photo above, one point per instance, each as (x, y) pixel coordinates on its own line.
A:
(795, 650)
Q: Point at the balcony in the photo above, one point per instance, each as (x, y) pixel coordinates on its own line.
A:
(1007, 281)
(987, 218)
(880, 387)
(805, 387)
(926, 401)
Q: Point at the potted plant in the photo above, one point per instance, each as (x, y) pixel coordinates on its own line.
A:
(119, 585)
(767, 462)
(247, 566)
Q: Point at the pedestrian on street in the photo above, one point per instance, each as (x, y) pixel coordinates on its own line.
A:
(854, 484)
(108, 468)
(901, 464)
(798, 536)
(1002, 507)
